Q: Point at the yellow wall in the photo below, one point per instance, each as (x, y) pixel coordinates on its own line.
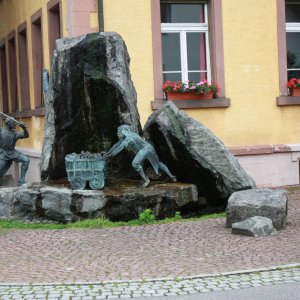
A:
(251, 75)
(12, 14)
(251, 70)
(132, 20)
(250, 58)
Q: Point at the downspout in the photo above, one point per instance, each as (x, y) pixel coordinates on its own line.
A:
(100, 16)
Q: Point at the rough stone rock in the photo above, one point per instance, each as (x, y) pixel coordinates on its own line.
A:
(57, 203)
(7, 202)
(90, 94)
(89, 203)
(255, 226)
(121, 203)
(194, 154)
(267, 203)
(27, 198)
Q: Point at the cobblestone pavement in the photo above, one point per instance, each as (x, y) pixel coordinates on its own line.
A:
(151, 288)
(74, 257)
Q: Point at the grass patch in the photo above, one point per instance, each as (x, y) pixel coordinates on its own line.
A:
(12, 224)
(293, 188)
(145, 217)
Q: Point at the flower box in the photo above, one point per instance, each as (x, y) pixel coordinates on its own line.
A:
(294, 86)
(295, 92)
(190, 90)
(188, 96)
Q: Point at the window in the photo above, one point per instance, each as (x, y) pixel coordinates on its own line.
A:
(37, 57)
(288, 28)
(13, 72)
(185, 42)
(292, 16)
(54, 25)
(198, 36)
(23, 67)
(4, 77)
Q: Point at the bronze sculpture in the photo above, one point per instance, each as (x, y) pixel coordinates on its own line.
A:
(84, 168)
(8, 153)
(142, 149)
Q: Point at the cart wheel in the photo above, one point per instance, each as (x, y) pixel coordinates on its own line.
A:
(78, 183)
(97, 183)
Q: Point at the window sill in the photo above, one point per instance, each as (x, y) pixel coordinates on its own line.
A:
(22, 114)
(39, 112)
(211, 103)
(28, 113)
(288, 100)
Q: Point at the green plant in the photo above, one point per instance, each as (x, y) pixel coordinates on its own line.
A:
(146, 216)
(177, 216)
(201, 88)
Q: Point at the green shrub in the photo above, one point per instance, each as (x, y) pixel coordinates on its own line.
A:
(146, 216)
(177, 216)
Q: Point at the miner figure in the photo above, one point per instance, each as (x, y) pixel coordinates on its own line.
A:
(142, 149)
(8, 153)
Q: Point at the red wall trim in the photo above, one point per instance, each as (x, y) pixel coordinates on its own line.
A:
(23, 66)
(216, 24)
(260, 149)
(79, 17)
(12, 65)
(2, 42)
(282, 63)
(22, 27)
(4, 75)
(52, 4)
(11, 35)
(37, 55)
(156, 49)
(54, 8)
(36, 16)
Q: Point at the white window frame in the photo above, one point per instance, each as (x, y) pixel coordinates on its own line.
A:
(183, 29)
(292, 27)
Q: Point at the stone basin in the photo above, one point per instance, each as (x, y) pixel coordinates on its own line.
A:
(120, 201)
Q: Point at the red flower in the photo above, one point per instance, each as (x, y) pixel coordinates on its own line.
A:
(202, 87)
(293, 83)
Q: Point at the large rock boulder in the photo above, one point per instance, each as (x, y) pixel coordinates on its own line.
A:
(8, 203)
(256, 226)
(194, 154)
(267, 203)
(60, 203)
(90, 94)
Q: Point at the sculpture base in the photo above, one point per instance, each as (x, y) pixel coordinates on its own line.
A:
(121, 201)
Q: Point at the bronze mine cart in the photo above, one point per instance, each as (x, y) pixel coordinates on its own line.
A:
(85, 168)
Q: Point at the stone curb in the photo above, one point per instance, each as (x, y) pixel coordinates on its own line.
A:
(239, 272)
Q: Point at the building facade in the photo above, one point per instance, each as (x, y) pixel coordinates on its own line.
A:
(251, 55)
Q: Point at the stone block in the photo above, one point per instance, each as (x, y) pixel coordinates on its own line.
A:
(195, 155)
(122, 202)
(255, 226)
(267, 203)
(90, 95)
(56, 203)
(27, 198)
(7, 202)
(89, 202)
